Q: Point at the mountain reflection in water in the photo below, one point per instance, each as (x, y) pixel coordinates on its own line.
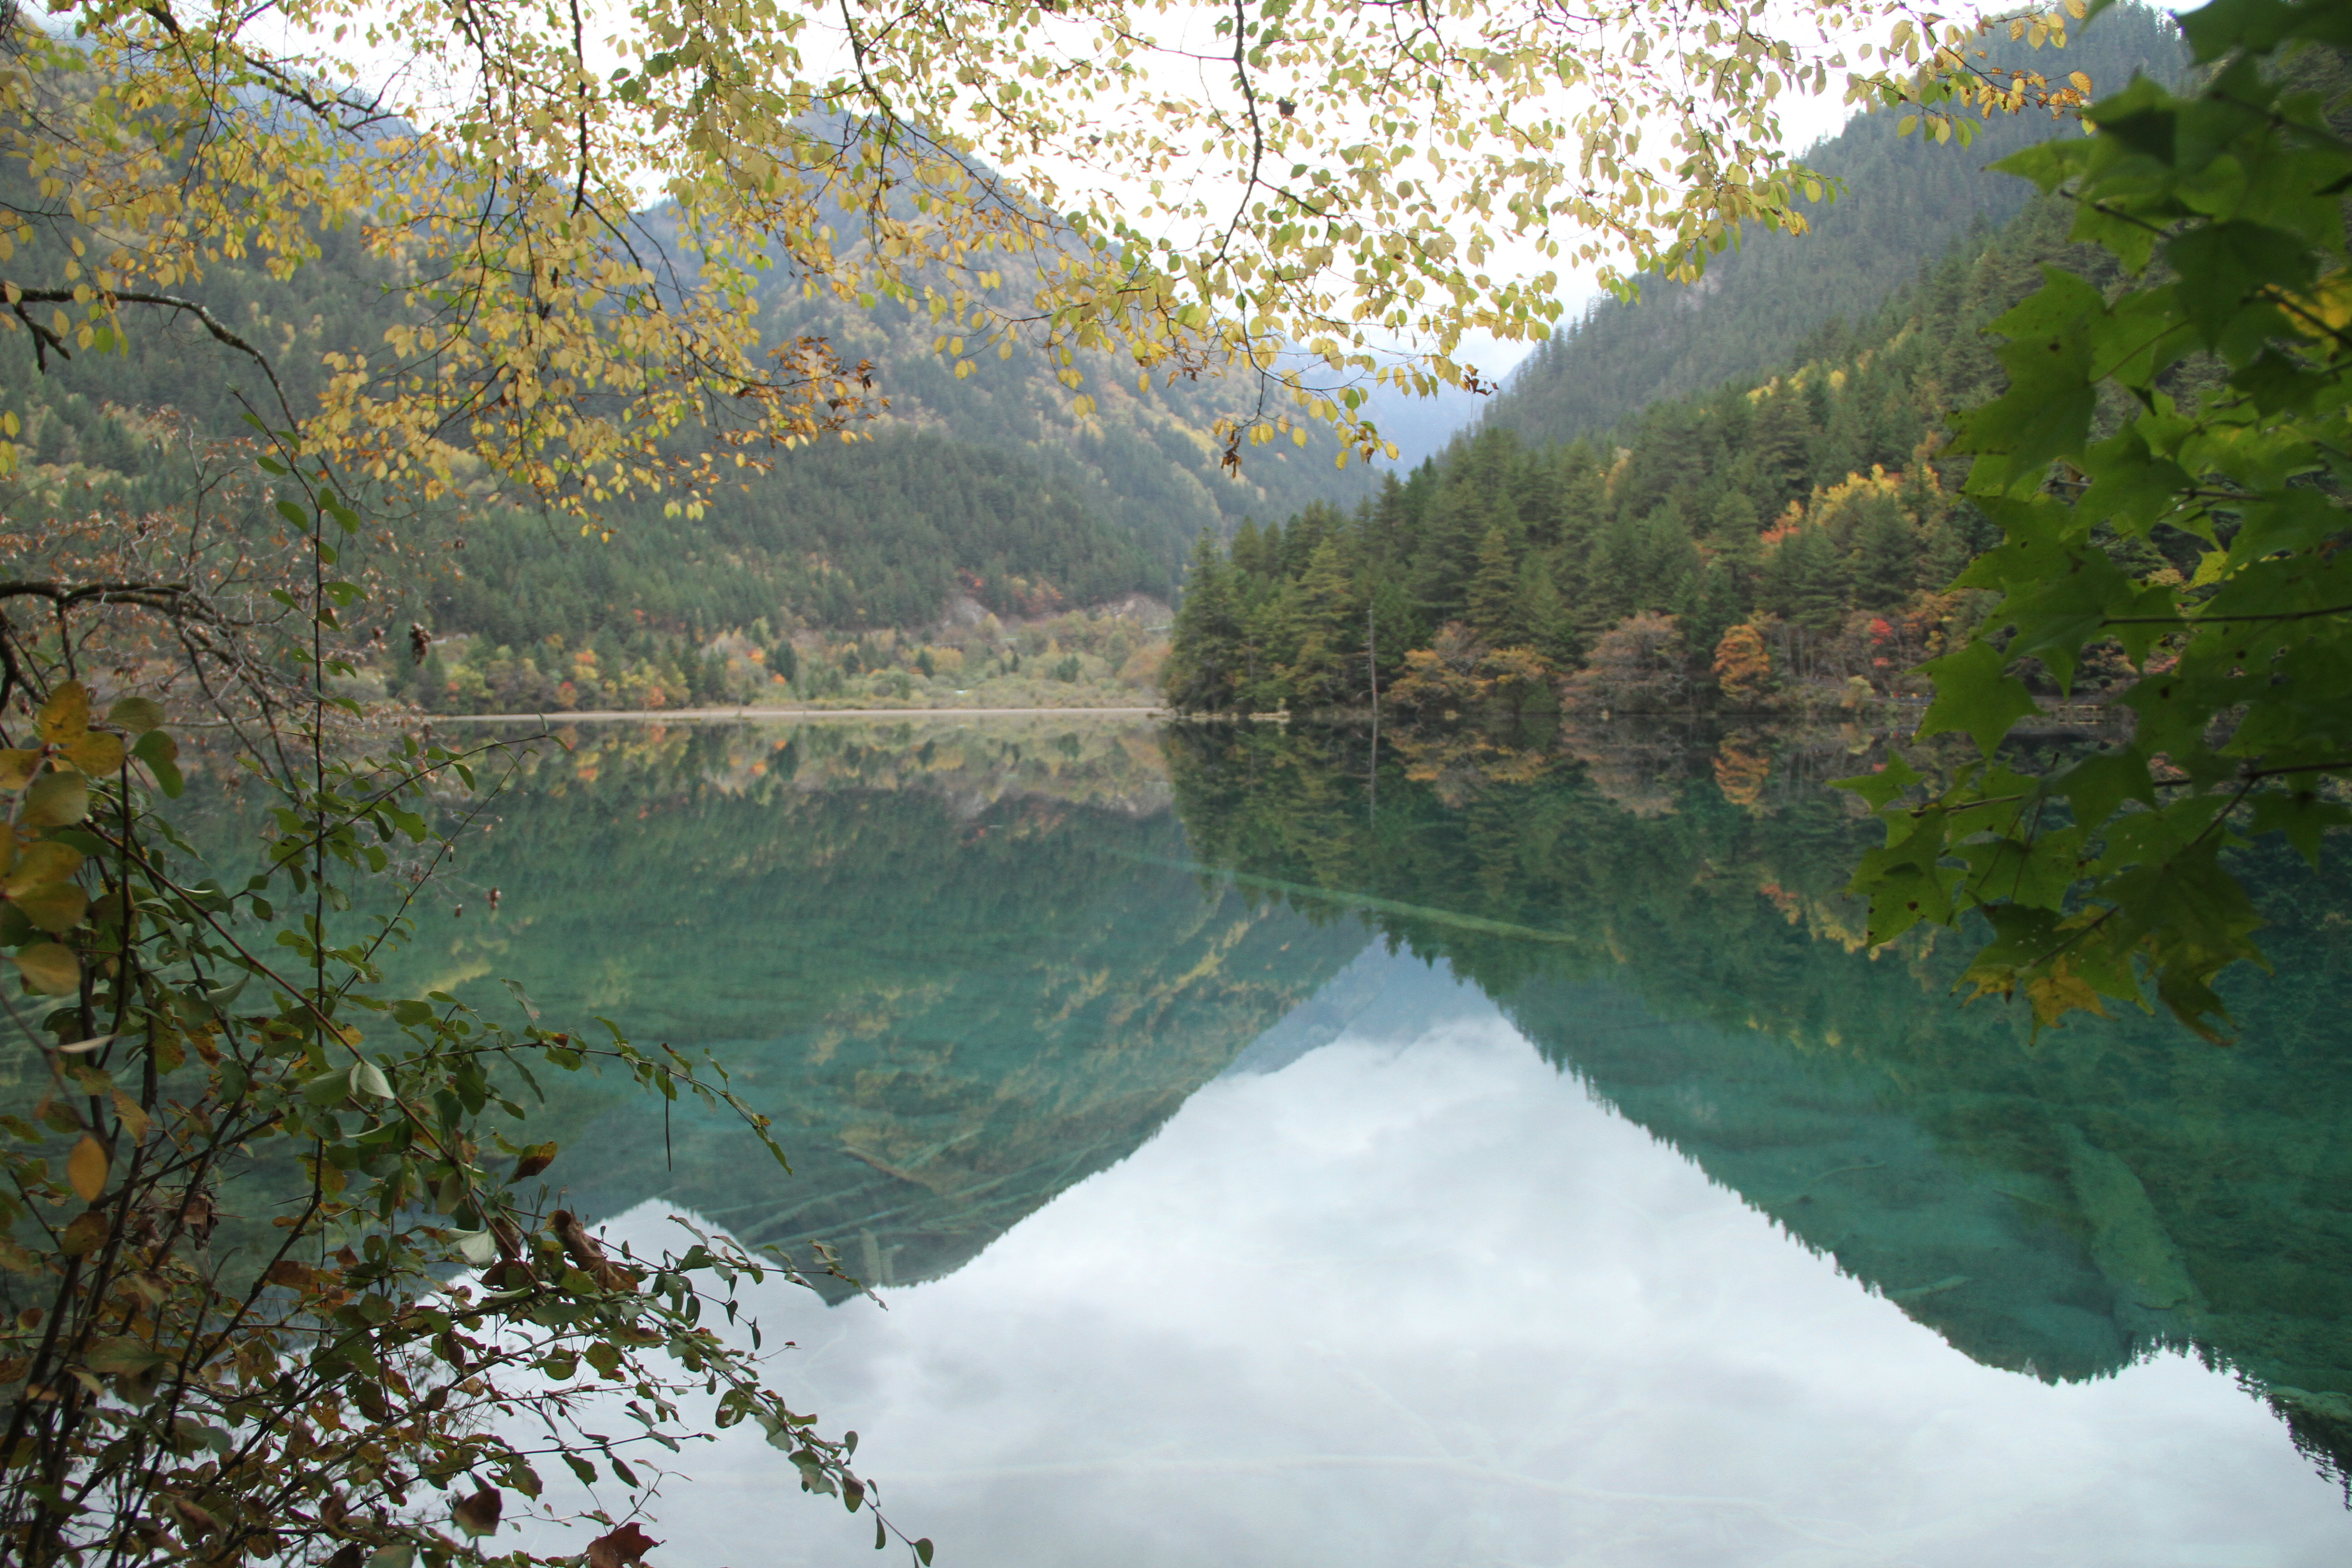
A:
(967, 968)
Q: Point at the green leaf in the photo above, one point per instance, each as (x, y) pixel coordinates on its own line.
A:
(2225, 267)
(2046, 413)
(2038, 872)
(328, 1089)
(923, 1551)
(2302, 815)
(368, 1078)
(136, 715)
(162, 755)
(1974, 695)
(1882, 787)
(2097, 785)
(2131, 485)
(122, 1355)
(2217, 29)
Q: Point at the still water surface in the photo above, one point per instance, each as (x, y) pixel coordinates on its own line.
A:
(1501, 1156)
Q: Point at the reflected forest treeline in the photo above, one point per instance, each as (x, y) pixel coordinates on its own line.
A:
(961, 971)
(966, 967)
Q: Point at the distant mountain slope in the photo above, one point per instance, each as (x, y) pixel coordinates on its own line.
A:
(985, 483)
(1906, 200)
(1143, 460)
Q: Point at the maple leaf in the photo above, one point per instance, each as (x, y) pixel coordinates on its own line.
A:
(620, 1548)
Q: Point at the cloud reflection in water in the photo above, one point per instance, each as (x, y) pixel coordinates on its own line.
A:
(1415, 1299)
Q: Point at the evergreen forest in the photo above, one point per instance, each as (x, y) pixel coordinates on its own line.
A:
(1763, 544)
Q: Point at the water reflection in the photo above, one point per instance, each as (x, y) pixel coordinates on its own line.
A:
(962, 968)
(2058, 1208)
(1416, 1299)
(1225, 1226)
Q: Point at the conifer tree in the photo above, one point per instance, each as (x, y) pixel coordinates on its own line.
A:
(1539, 618)
(1885, 556)
(1204, 662)
(1326, 633)
(1491, 604)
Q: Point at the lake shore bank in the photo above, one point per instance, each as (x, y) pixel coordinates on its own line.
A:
(667, 715)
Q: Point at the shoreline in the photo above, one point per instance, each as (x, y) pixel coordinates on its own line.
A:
(666, 715)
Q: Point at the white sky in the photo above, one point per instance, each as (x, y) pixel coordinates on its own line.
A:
(823, 43)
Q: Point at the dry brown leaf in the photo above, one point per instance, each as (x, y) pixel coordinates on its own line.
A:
(621, 1548)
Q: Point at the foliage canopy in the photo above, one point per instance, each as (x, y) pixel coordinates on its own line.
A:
(2211, 395)
(1331, 178)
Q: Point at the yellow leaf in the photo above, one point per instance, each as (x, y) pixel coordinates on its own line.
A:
(96, 753)
(55, 906)
(65, 717)
(86, 1167)
(49, 968)
(2059, 993)
(134, 1116)
(55, 800)
(39, 864)
(86, 1234)
(16, 769)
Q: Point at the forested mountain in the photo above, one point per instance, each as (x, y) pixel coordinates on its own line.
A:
(1761, 542)
(1907, 199)
(987, 485)
(984, 484)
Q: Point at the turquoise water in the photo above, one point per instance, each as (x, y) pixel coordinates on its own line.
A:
(1482, 1154)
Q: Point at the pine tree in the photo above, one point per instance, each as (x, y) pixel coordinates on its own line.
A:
(1492, 601)
(1885, 563)
(1812, 596)
(1325, 633)
(1782, 441)
(1540, 619)
(1205, 656)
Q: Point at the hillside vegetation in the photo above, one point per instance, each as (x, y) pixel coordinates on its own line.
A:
(983, 486)
(1777, 541)
(1906, 200)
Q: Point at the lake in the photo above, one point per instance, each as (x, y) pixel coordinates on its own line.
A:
(1478, 1153)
